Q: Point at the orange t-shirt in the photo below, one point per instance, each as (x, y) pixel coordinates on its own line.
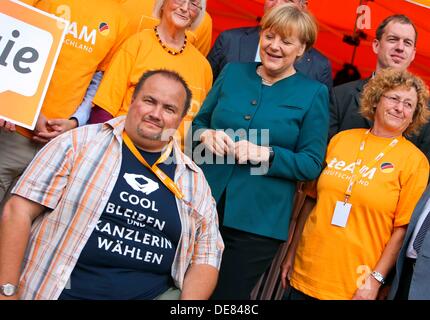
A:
(29, 2)
(95, 33)
(140, 14)
(331, 261)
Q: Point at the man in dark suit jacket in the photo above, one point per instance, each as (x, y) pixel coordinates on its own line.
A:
(395, 46)
(412, 279)
(241, 45)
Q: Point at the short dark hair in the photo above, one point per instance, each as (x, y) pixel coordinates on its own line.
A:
(400, 18)
(169, 74)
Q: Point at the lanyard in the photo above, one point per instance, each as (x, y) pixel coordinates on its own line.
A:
(359, 160)
(165, 179)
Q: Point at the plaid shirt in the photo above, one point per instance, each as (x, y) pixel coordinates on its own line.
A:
(73, 177)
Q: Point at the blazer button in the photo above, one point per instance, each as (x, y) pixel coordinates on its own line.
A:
(254, 102)
(247, 117)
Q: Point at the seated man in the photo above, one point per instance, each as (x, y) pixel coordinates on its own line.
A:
(114, 210)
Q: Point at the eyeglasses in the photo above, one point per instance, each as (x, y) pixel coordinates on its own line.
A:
(192, 4)
(395, 101)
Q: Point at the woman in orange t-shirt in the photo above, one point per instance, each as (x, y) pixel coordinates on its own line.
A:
(163, 47)
(348, 244)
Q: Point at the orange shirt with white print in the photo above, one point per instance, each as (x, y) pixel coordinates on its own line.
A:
(96, 30)
(332, 261)
(140, 14)
(143, 52)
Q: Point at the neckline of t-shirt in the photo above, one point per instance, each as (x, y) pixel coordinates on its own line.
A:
(375, 137)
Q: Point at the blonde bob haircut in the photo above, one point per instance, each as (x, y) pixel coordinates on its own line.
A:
(390, 79)
(158, 8)
(288, 19)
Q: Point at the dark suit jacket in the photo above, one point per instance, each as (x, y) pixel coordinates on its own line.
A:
(240, 45)
(344, 107)
(420, 283)
(344, 114)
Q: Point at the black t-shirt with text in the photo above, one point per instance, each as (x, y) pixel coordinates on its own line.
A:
(130, 253)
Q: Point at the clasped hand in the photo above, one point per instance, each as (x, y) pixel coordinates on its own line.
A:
(220, 144)
(45, 129)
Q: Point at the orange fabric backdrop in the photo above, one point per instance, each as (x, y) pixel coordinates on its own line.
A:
(337, 18)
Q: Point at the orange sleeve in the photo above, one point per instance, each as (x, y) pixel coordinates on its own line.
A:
(116, 80)
(203, 35)
(413, 183)
(208, 78)
(310, 187)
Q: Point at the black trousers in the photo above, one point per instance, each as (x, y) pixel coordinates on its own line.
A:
(405, 279)
(246, 257)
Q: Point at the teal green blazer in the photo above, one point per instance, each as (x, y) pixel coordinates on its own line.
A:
(291, 116)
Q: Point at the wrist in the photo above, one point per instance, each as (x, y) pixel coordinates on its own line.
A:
(271, 154)
(74, 122)
(378, 277)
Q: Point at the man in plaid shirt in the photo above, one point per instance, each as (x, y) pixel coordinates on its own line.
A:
(114, 210)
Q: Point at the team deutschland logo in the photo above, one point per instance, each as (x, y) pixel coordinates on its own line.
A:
(104, 28)
(387, 167)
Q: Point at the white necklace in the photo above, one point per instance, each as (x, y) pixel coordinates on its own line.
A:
(263, 80)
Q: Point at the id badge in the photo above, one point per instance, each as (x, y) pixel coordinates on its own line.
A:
(341, 214)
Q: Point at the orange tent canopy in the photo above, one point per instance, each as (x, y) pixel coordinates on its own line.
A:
(336, 19)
